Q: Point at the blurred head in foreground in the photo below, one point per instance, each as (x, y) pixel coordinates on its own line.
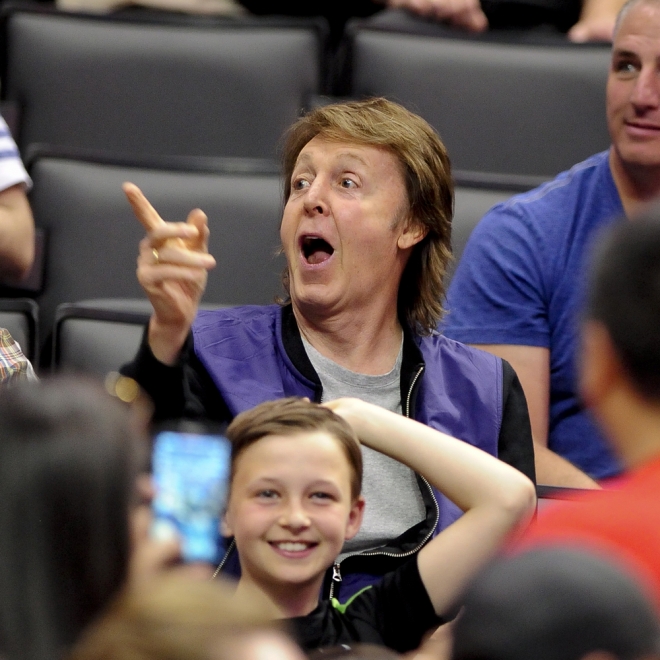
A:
(620, 356)
(69, 462)
(555, 604)
(354, 652)
(174, 618)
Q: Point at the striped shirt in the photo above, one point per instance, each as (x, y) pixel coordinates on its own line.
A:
(11, 167)
(14, 366)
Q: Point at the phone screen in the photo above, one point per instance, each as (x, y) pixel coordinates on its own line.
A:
(191, 473)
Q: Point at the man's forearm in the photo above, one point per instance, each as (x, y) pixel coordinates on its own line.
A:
(553, 470)
(16, 234)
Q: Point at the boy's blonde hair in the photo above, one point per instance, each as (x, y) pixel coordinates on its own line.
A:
(289, 417)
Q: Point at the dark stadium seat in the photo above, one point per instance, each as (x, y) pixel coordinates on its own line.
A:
(93, 236)
(160, 85)
(98, 336)
(519, 108)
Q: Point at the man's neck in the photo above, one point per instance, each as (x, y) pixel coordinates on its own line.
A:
(637, 185)
(363, 345)
(286, 601)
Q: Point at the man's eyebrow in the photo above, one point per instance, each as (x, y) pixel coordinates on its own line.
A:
(352, 155)
(623, 53)
(303, 158)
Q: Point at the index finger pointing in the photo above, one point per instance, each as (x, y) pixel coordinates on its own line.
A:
(145, 213)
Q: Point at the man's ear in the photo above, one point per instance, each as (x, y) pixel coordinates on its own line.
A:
(355, 518)
(599, 365)
(412, 233)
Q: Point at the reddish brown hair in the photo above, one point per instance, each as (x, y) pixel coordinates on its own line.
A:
(426, 172)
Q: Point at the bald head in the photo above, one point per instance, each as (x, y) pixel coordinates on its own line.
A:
(624, 11)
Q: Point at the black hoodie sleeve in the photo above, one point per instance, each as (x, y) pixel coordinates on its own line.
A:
(184, 390)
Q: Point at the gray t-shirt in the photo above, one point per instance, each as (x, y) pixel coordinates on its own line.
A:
(393, 500)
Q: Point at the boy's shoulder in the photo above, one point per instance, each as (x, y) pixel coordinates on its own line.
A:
(395, 612)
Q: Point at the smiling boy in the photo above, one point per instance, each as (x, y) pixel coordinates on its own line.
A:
(295, 499)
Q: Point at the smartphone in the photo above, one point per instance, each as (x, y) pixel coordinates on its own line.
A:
(191, 475)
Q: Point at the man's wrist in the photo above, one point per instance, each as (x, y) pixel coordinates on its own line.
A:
(166, 341)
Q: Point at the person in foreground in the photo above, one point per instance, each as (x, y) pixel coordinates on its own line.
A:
(175, 618)
(620, 384)
(519, 287)
(366, 234)
(73, 518)
(556, 604)
(295, 498)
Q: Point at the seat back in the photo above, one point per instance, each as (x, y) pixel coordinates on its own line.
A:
(215, 87)
(93, 236)
(499, 107)
(98, 336)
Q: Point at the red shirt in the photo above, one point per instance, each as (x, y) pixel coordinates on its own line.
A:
(622, 521)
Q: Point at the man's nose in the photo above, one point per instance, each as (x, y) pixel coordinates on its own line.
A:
(646, 92)
(316, 197)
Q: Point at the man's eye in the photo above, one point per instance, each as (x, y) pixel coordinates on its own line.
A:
(625, 67)
(348, 183)
(299, 184)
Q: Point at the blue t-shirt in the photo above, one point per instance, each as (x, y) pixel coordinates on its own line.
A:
(521, 280)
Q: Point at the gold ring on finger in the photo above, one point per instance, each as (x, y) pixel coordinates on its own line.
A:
(154, 251)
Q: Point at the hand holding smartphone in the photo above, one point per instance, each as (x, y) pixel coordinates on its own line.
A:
(191, 475)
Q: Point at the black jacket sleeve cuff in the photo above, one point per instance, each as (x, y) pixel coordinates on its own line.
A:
(163, 383)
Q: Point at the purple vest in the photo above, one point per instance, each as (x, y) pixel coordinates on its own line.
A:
(460, 391)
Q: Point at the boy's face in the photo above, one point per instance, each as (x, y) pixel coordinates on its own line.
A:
(290, 509)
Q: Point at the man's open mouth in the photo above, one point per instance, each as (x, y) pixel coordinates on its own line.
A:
(316, 250)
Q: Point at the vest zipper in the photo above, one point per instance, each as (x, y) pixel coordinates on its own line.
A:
(336, 568)
(413, 382)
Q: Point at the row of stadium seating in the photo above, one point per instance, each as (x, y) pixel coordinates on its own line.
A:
(160, 84)
(191, 109)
